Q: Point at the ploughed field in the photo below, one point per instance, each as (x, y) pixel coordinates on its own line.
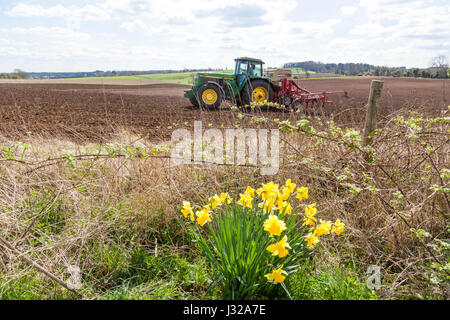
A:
(92, 112)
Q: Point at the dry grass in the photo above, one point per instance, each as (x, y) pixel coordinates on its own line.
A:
(92, 212)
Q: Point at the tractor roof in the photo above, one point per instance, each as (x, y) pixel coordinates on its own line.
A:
(250, 59)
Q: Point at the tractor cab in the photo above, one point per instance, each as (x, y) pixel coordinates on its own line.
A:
(247, 67)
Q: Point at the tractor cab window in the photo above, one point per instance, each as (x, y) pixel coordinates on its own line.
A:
(241, 68)
(255, 69)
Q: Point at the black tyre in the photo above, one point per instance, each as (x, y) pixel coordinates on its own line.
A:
(194, 102)
(286, 100)
(209, 96)
(257, 91)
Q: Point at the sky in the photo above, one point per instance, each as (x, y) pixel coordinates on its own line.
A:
(88, 35)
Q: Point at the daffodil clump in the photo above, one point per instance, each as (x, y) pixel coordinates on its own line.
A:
(259, 238)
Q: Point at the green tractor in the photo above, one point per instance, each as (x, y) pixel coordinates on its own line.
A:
(245, 86)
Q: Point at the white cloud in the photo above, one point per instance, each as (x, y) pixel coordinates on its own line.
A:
(348, 10)
(73, 15)
(404, 20)
(47, 32)
(410, 31)
(133, 25)
(31, 10)
(58, 42)
(310, 30)
(206, 33)
(102, 12)
(4, 42)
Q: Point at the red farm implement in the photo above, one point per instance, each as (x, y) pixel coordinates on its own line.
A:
(288, 93)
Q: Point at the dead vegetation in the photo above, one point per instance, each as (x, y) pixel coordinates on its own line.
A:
(66, 203)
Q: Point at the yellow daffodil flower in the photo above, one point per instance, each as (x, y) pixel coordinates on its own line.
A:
(302, 193)
(284, 206)
(311, 240)
(311, 210)
(309, 221)
(338, 227)
(323, 228)
(203, 217)
(276, 276)
(215, 201)
(187, 210)
(267, 206)
(250, 191)
(245, 200)
(268, 191)
(288, 209)
(285, 194)
(279, 248)
(274, 226)
(290, 186)
(225, 198)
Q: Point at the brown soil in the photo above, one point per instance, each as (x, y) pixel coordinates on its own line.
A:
(397, 92)
(316, 75)
(98, 112)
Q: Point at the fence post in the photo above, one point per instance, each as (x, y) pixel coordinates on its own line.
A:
(372, 110)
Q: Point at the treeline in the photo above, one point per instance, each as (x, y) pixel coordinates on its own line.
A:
(435, 73)
(17, 74)
(9, 76)
(97, 73)
(337, 68)
(363, 69)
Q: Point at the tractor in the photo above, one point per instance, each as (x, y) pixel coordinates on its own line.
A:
(245, 86)
(248, 84)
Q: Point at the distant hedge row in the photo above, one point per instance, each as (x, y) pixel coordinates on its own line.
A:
(360, 69)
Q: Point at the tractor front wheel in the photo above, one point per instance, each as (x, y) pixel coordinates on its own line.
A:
(209, 96)
(257, 91)
(194, 102)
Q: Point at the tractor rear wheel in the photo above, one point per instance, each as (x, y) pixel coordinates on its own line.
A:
(209, 96)
(257, 91)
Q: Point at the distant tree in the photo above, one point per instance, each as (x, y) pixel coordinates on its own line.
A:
(21, 74)
(4, 76)
(396, 73)
(441, 64)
